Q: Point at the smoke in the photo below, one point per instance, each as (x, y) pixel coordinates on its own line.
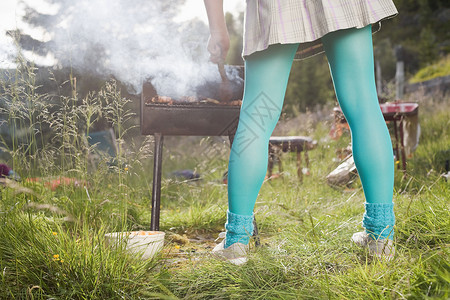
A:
(133, 41)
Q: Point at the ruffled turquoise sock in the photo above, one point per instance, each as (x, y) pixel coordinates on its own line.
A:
(379, 220)
(239, 229)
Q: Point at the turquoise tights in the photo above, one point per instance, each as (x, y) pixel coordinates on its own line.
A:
(350, 57)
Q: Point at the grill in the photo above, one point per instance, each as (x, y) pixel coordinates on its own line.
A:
(198, 118)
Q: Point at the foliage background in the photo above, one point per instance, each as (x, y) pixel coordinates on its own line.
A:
(421, 28)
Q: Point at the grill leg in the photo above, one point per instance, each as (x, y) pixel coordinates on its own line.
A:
(156, 192)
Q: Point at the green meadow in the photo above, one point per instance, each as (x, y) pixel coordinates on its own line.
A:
(54, 220)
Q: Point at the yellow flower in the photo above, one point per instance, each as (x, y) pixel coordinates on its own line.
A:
(54, 233)
(56, 256)
(62, 260)
(177, 247)
(397, 162)
(126, 169)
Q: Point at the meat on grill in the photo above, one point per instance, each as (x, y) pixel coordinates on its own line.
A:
(190, 99)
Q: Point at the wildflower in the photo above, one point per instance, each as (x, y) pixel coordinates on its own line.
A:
(56, 257)
(125, 169)
(54, 233)
(397, 162)
(177, 247)
(62, 260)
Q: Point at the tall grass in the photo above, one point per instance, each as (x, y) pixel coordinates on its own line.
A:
(52, 243)
(42, 259)
(52, 240)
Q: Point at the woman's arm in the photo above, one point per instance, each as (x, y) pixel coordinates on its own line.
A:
(219, 41)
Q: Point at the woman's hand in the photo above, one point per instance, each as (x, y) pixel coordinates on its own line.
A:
(219, 41)
(218, 46)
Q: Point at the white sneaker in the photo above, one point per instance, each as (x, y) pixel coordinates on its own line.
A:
(235, 254)
(382, 248)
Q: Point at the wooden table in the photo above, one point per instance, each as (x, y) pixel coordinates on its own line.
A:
(297, 144)
(396, 112)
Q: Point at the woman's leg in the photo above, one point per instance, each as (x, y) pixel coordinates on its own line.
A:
(350, 56)
(266, 77)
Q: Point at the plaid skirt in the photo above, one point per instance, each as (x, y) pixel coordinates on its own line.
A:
(269, 22)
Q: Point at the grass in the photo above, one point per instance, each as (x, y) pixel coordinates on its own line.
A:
(52, 243)
(439, 69)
